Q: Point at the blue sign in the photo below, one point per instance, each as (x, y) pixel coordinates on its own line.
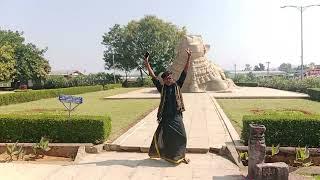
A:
(70, 99)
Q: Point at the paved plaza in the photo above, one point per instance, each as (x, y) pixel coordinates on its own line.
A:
(205, 130)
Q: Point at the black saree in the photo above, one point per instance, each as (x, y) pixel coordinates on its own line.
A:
(169, 140)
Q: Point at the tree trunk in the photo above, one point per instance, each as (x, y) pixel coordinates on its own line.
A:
(141, 74)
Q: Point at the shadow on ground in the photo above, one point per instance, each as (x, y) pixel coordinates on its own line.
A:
(133, 163)
(229, 177)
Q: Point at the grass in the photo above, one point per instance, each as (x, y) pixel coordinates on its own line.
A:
(124, 113)
(236, 108)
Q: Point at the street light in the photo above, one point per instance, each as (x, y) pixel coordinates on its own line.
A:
(114, 69)
(268, 68)
(301, 9)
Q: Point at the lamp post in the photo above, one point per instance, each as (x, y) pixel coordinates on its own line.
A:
(301, 9)
(114, 69)
(268, 68)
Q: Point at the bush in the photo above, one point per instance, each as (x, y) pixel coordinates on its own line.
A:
(54, 82)
(290, 84)
(247, 84)
(57, 81)
(288, 129)
(146, 82)
(111, 86)
(58, 128)
(314, 94)
(13, 98)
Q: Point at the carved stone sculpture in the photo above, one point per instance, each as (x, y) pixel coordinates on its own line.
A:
(256, 148)
(203, 75)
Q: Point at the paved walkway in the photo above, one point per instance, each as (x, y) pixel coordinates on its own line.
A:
(240, 92)
(203, 126)
(123, 166)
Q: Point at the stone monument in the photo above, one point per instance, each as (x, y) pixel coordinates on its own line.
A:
(203, 75)
(257, 169)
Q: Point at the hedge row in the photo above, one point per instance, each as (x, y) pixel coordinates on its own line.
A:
(57, 81)
(314, 94)
(111, 86)
(247, 84)
(293, 129)
(146, 82)
(290, 84)
(20, 97)
(62, 129)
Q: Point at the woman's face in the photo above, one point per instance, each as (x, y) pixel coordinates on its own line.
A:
(168, 80)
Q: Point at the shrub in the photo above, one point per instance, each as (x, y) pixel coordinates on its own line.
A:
(146, 82)
(57, 128)
(314, 94)
(290, 84)
(58, 81)
(288, 129)
(111, 86)
(247, 84)
(54, 82)
(13, 98)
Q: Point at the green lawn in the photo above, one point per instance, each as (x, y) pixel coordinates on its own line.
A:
(236, 108)
(124, 113)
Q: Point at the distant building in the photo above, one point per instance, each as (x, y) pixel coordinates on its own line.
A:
(313, 71)
(66, 73)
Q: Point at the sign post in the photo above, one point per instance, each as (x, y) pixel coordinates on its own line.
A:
(68, 100)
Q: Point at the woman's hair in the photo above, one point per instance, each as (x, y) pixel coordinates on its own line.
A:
(165, 74)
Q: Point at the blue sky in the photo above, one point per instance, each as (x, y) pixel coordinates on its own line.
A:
(239, 31)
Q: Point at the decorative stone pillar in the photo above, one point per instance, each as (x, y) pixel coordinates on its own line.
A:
(256, 148)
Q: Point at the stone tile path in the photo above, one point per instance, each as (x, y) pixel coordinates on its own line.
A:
(125, 166)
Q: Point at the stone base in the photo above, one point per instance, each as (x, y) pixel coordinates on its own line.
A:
(271, 171)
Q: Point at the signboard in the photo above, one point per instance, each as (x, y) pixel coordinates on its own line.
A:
(68, 100)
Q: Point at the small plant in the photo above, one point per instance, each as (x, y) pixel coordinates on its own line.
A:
(14, 150)
(42, 146)
(275, 150)
(243, 157)
(302, 157)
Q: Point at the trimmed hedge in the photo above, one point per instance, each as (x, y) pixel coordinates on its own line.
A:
(111, 86)
(296, 85)
(247, 84)
(288, 129)
(62, 129)
(14, 98)
(314, 94)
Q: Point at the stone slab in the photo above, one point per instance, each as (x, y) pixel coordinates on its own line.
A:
(204, 128)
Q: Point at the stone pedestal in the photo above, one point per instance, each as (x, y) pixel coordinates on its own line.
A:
(256, 148)
(272, 171)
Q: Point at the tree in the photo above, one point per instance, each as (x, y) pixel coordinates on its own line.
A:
(247, 67)
(29, 62)
(311, 65)
(129, 43)
(259, 67)
(286, 67)
(7, 62)
(251, 76)
(119, 44)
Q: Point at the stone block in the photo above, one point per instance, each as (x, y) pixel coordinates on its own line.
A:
(272, 171)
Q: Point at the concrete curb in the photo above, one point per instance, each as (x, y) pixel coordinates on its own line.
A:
(119, 148)
(262, 97)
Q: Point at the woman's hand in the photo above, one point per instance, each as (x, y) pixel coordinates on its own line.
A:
(189, 52)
